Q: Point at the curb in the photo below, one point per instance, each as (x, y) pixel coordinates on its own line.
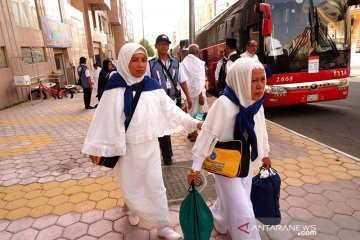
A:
(317, 142)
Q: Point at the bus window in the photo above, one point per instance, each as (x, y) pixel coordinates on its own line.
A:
(254, 33)
(233, 25)
(212, 36)
(228, 28)
(221, 32)
(309, 27)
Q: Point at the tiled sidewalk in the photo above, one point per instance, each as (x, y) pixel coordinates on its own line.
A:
(49, 190)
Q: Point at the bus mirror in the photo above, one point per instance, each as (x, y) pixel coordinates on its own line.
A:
(267, 27)
(266, 9)
(267, 20)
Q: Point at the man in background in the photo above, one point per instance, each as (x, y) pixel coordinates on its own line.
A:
(230, 49)
(84, 75)
(193, 72)
(220, 73)
(165, 69)
(251, 48)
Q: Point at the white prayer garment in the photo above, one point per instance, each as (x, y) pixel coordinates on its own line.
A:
(193, 72)
(139, 167)
(246, 54)
(233, 208)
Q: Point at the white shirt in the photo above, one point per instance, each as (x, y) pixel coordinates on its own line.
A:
(217, 70)
(229, 62)
(246, 54)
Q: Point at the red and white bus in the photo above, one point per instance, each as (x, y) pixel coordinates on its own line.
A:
(304, 43)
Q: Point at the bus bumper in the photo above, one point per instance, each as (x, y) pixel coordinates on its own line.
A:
(310, 92)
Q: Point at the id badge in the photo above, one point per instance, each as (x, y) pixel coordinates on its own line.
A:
(168, 85)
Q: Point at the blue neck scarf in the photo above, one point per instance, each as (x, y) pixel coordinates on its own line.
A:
(245, 120)
(116, 81)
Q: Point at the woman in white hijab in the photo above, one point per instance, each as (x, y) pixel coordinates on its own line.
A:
(241, 105)
(139, 167)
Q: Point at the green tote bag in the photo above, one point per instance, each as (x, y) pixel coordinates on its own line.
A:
(196, 219)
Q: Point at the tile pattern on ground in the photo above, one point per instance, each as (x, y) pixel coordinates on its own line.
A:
(49, 190)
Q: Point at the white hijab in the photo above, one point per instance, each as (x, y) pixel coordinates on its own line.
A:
(125, 55)
(222, 110)
(239, 78)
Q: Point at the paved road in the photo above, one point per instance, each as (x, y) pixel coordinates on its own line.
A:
(335, 123)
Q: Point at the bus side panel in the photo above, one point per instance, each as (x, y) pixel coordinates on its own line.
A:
(306, 96)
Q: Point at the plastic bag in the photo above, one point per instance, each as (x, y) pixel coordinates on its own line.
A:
(196, 219)
(201, 114)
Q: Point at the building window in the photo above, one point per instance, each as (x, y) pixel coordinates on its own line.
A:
(33, 55)
(100, 25)
(93, 16)
(52, 9)
(104, 25)
(358, 42)
(25, 13)
(3, 63)
(110, 54)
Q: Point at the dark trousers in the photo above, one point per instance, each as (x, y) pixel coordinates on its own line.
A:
(87, 96)
(166, 150)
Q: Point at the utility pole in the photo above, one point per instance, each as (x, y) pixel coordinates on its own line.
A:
(142, 19)
(191, 22)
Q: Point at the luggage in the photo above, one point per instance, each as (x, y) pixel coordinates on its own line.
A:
(265, 194)
(196, 219)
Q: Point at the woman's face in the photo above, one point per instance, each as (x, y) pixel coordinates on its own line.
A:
(110, 66)
(138, 64)
(258, 81)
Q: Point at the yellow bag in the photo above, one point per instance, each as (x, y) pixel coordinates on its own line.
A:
(229, 159)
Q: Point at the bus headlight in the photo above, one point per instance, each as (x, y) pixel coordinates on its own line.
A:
(275, 90)
(343, 83)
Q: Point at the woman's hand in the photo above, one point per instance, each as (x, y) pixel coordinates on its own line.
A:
(201, 99)
(93, 158)
(199, 125)
(193, 177)
(189, 102)
(266, 162)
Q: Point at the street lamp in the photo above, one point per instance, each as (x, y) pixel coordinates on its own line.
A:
(142, 18)
(191, 22)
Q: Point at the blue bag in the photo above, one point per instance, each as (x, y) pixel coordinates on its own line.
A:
(265, 194)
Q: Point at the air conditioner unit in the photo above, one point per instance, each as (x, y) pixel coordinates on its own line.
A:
(22, 80)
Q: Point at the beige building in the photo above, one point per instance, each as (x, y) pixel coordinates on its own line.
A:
(222, 5)
(355, 35)
(42, 37)
(208, 9)
(204, 12)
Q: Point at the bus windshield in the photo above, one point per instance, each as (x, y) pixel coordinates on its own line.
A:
(303, 28)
